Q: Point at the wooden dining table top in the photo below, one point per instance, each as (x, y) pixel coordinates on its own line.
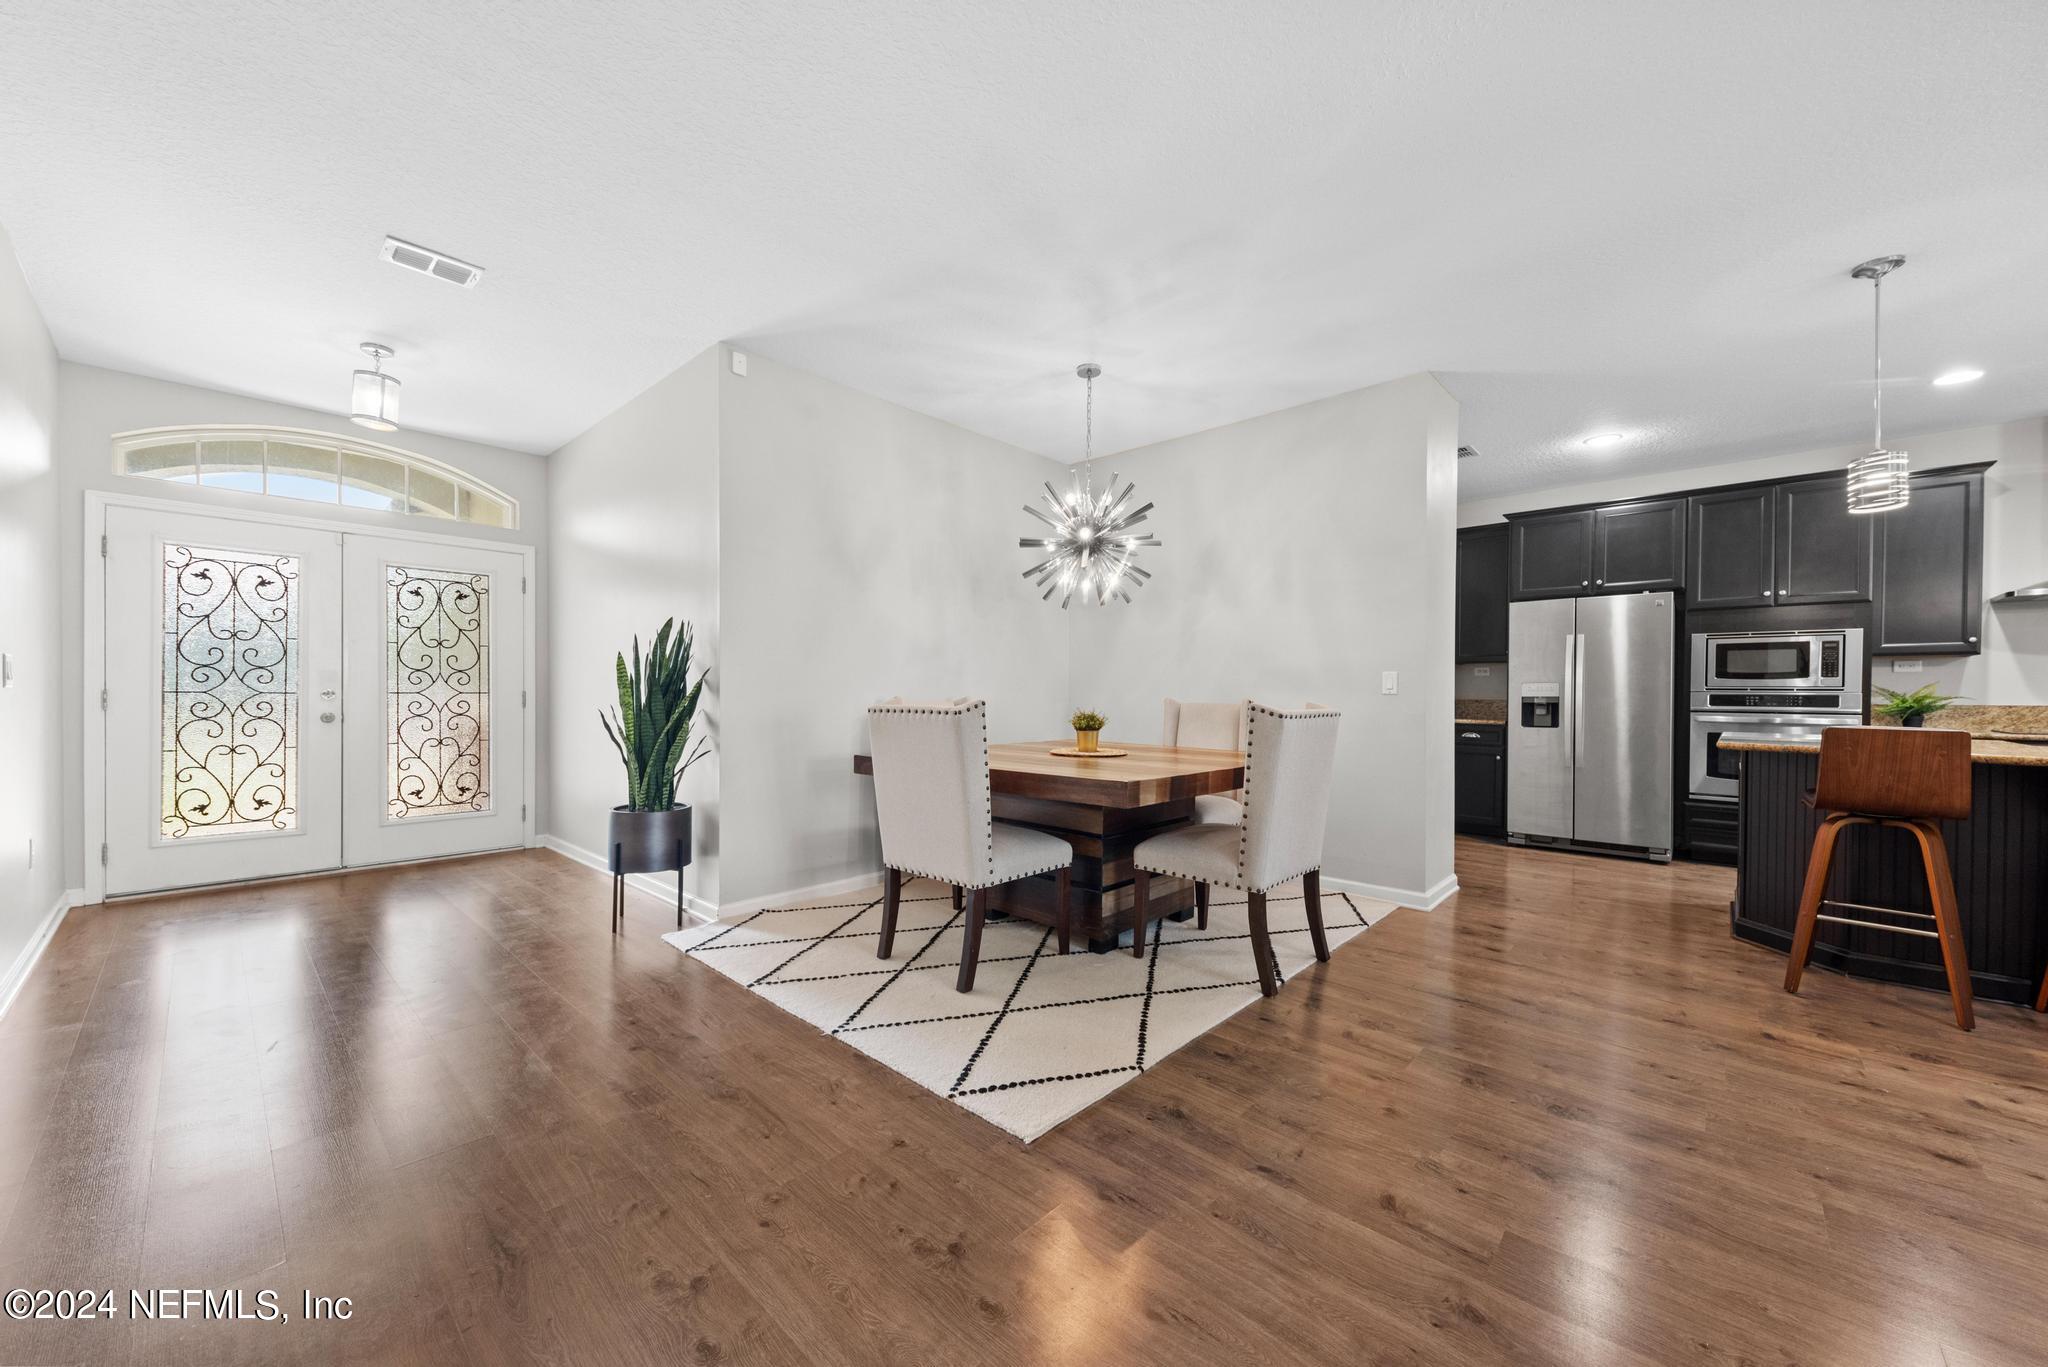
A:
(1149, 774)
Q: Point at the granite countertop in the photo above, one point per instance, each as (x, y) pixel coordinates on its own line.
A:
(1481, 712)
(1981, 751)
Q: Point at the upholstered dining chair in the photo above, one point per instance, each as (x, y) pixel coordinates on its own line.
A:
(1289, 758)
(1209, 726)
(932, 798)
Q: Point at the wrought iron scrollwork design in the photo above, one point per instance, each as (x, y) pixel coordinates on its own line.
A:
(438, 673)
(229, 692)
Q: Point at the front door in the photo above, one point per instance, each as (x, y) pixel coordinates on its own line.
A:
(283, 699)
(224, 675)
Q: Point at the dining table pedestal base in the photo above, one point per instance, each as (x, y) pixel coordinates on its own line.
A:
(1104, 889)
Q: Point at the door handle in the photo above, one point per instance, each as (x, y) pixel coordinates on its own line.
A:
(327, 716)
(1578, 697)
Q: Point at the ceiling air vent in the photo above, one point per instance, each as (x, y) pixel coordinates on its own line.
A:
(1466, 452)
(427, 261)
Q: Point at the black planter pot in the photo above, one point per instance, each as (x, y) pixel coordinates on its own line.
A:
(1917, 719)
(647, 842)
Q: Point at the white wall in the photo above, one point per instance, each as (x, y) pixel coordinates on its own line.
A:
(633, 504)
(866, 550)
(31, 798)
(2013, 668)
(93, 404)
(1305, 552)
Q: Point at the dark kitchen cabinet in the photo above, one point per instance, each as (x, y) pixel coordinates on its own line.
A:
(1930, 568)
(1480, 779)
(1639, 547)
(1483, 593)
(1731, 549)
(1821, 549)
(1550, 555)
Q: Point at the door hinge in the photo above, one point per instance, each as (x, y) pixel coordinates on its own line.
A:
(103, 856)
(103, 545)
(522, 811)
(522, 699)
(103, 700)
(522, 583)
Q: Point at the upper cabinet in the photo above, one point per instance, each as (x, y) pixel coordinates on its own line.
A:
(1483, 593)
(1822, 550)
(1930, 568)
(1639, 547)
(1551, 555)
(1731, 549)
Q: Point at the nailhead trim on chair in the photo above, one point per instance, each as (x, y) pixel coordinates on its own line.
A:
(987, 878)
(1251, 731)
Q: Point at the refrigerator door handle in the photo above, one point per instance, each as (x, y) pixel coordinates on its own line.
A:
(1577, 652)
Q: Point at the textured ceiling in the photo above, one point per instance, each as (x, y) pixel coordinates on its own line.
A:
(1583, 217)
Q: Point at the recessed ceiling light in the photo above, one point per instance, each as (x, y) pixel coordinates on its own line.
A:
(1962, 376)
(1599, 439)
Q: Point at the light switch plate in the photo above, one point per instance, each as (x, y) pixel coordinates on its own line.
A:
(6, 671)
(1906, 666)
(1390, 681)
(739, 363)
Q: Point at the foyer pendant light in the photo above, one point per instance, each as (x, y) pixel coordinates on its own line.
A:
(373, 397)
(1878, 482)
(1092, 549)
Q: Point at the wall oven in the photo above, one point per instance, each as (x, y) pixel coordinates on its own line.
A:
(1808, 661)
(1712, 770)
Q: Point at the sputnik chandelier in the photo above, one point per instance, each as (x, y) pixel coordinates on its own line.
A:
(1092, 549)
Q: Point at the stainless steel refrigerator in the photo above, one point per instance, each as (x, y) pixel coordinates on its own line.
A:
(1591, 703)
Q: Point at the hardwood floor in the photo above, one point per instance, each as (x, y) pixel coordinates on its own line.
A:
(1563, 1119)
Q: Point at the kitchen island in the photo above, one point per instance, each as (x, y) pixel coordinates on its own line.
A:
(1999, 855)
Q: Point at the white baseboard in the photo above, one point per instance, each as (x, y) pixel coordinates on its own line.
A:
(858, 883)
(1407, 897)
(24, 964)
(648, 883)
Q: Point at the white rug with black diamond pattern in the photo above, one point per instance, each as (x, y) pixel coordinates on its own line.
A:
(1042, 1036)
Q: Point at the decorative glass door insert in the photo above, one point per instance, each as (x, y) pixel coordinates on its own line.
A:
(229, 693)
(437, 630)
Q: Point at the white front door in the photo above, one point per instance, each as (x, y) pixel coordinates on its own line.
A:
(287, 699)
(223, 678)
(436, 739)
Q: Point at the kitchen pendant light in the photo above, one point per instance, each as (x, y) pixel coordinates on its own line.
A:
(1093, 552)
(1879, 481)
(373, 397)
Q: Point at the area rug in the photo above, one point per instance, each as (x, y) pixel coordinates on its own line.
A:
(1042, 1036)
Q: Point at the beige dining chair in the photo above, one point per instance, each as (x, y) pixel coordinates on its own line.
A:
(1289, 759)
(936, 816)
(1209, 726)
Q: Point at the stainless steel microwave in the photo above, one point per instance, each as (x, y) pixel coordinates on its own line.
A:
(1778, 661)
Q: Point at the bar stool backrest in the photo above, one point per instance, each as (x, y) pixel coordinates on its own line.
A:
(1894, 771)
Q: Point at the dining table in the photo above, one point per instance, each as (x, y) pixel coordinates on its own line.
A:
(1103, 805)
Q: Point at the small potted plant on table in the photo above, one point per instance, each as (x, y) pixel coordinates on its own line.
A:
(650, 728)
(1088, 730)
(1913, 709)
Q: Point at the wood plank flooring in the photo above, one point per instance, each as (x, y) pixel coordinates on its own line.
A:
(1563, 1119)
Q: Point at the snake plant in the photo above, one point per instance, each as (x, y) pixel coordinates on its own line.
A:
(650, 726)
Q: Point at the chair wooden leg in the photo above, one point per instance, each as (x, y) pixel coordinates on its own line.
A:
(1312, 895)
(2041, 1002)
(1948, 920)
(1262, 944)
(956, 897)
(970, 949)
(1817, 866)
(1201, 906)
(1063, 916)
(1141, 903)
(892, 894)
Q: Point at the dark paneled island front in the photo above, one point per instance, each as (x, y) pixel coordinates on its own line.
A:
(1999, 854)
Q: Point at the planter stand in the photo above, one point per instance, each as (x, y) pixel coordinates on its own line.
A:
(647, 842)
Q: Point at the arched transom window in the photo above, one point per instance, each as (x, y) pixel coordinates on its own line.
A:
(316, 467)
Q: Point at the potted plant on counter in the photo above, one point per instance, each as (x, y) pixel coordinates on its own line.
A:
(1087, 729)
(1912, 709)
(650, 728)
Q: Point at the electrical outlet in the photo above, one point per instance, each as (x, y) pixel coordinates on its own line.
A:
(1906, 666)
(6, 671)
(1482, 670)
(739, 363)
(1390, 681)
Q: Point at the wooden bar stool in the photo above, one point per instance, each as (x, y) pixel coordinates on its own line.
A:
(1890, 776)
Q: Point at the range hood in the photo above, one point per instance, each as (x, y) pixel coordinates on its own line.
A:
(2032, 593)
